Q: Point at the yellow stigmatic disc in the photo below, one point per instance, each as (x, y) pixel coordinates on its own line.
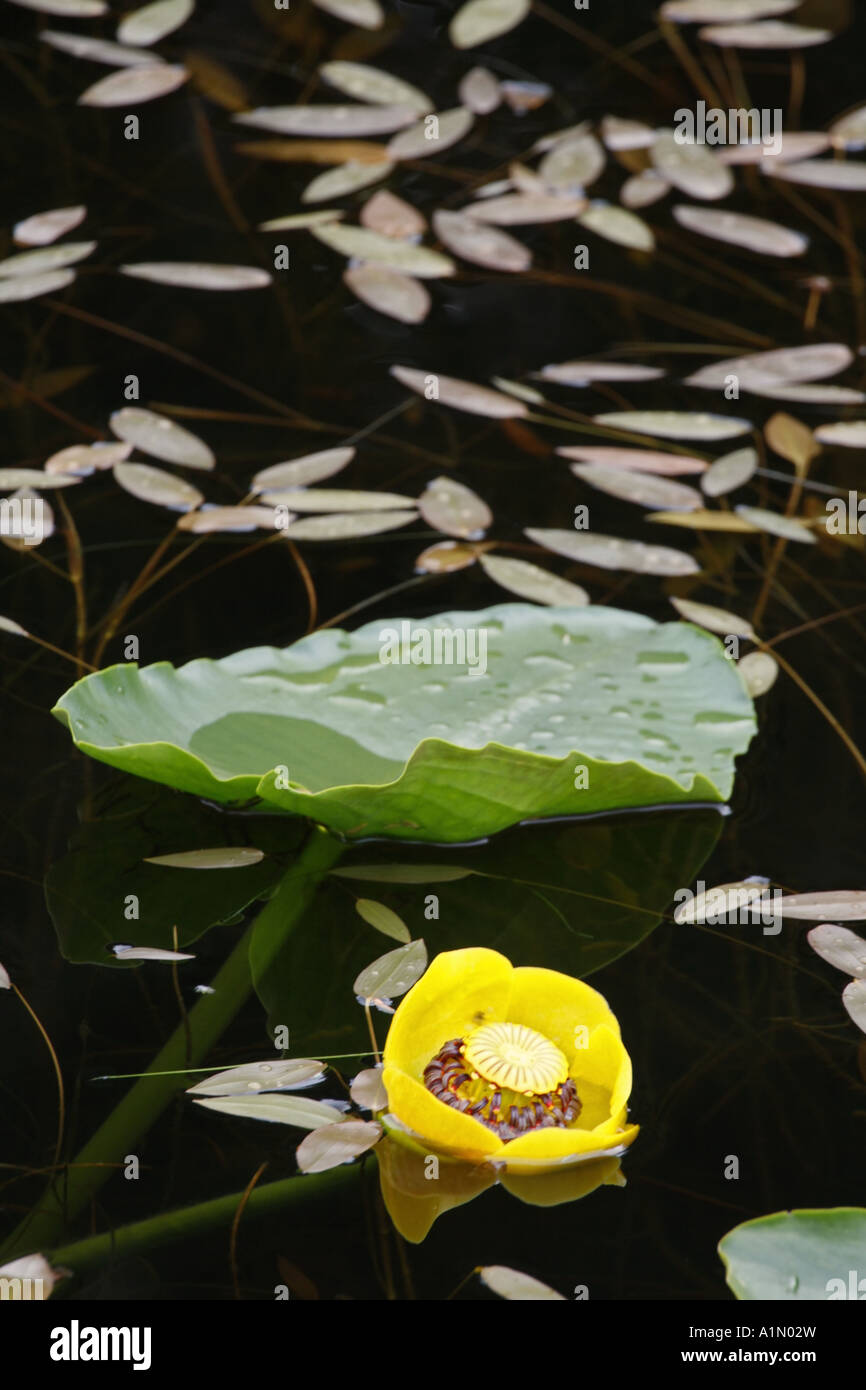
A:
(516, 1058)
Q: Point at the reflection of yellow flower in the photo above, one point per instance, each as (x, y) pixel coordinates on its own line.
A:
(520, 1068)
(416, 1193)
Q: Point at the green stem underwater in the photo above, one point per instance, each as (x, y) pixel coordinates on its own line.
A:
(186, 1223)
(130, 1120)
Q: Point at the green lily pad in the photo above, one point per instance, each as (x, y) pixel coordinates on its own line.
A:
(578, 710)
(798, 1256)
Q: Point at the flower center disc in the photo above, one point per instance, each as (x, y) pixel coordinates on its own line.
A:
(513, 1056)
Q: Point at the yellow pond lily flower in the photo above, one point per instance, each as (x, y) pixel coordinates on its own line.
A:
(521, 1070)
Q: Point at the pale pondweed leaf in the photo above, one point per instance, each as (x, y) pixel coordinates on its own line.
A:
(132, 86)
(386, 921)
(368, 1090)
(275, 1108)
(714, 619)
(759, 672)
(293, 1073)
(225, 857)
(161, 437)
(449, 506)
(41, 228)
(392, 974)
(324, 1149)
(840, 947)
(515, 1286)
(154, 21)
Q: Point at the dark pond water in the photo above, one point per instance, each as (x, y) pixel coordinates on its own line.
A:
(739, 1041)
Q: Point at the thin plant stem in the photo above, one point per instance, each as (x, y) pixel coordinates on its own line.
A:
(307, 581)
(122, 607)
(689, 64)
(821, 707)
(76, 577)
(58, 651)
(58, 1075)
(236, 1222)
(372, 1032)
(614, 55)
(178, 994)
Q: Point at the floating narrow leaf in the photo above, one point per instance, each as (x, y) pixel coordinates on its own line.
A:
(533, 583)
(298, 1111)
(431, 135)
(645, 489)
(472, 241)
(694, 169)
(366, 83)
(714, 619)
(729, 472)
(44, 227)
(368, 1090)
(324, 1149)
(403, 873)
(46, 259)
(676, 424)
(153, 22)
(787, 527)
(840, 947)
(226, 857)
(848, 905)
(389, 215)
(462, 395)
(512, 1284)
(337, 500)
(199, 275)
(612, 553)
(394, 973)
(309, 468)
(345, 178)
(759, 672)
(738, 229)
(644, 460)
(398, 296)
(479, 21)
(254, 1077)
(381, 917)
(155, 485)
(329, 120)
(384, 250)
(347, 525)
(449, 506)
(132, 86)
(764, 34)
(618, 225)
(161, 437)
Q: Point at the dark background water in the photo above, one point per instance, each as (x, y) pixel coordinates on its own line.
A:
(740, 1043)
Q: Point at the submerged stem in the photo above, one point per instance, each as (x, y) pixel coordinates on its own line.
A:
(130, 1120)
(188, 1222)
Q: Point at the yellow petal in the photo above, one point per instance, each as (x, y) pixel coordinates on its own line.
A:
(564, 1184)
(541, 1147)
(459, 991)
(557, 1006)
(594, 1105)
(435, 1123)
(622, 1085)
(603, 1075)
